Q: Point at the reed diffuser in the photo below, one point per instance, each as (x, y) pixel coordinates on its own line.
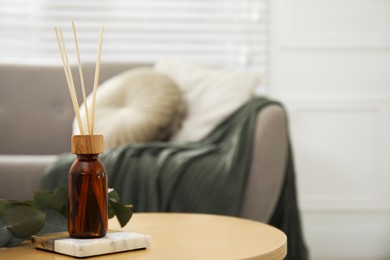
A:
(87, 178)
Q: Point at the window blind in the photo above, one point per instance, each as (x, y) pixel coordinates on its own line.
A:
(228, 32)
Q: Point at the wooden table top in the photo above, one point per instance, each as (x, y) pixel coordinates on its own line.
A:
(185, 236)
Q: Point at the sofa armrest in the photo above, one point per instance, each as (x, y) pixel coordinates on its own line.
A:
(21, 175)
(269, 156)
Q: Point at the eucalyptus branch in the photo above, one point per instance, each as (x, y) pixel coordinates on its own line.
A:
(46, 213)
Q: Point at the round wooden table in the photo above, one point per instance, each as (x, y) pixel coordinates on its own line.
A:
(186, 236)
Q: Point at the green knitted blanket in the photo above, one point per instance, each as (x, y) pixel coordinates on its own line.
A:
(208, 176)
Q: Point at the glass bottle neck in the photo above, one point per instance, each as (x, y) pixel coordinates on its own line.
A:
(88, 156)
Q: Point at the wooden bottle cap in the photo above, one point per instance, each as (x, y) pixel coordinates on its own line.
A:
(87, 144)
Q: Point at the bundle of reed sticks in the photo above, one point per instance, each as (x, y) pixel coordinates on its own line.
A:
(90, 115)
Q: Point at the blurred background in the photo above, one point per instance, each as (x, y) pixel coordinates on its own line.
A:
(328, 61)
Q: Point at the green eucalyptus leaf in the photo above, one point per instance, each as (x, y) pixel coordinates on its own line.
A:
(55, 222)
(29, 203)
(13, 240)
(19, 203)
(61, 193)
(23, 221)
(4, 234)
(42, 199)
(114, 196)
(122, 213)
(4, 204)
(111, 212)
(57, 199)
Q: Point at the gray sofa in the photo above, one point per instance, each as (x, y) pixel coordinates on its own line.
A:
(36, 125)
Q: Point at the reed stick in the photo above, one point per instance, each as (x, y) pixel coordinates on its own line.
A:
(96, 81)
(74, 96)
(81, 77)
(69, 78)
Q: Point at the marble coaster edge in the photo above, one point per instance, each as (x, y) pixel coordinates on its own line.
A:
(82, 248)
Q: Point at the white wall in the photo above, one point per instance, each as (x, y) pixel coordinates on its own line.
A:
(330, 65)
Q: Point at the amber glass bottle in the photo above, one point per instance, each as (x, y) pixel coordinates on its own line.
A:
(87, 187)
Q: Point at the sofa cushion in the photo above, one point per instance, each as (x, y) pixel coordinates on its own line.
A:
(138, 105)
(211, 94)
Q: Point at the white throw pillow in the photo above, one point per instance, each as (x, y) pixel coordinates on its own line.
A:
(211, 94)
(138, 105)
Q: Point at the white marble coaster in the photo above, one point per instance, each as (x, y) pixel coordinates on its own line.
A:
(113, 242)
